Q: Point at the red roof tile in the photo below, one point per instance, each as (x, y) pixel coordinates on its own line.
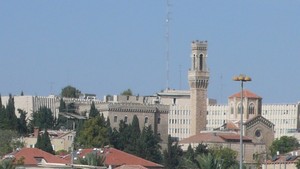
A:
(115, 157)
(32, 154)
(246, 93)
(231, 126)
(213, 137)
(234, 137)
(203, 137)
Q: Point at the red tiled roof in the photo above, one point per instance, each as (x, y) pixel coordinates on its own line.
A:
(213, 138)
(31, 154)
(115, 157)
(203, 137)
(246, 93)
(231, 126)
(234, 137)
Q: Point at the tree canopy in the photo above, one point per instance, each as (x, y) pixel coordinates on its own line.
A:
(44, 143)
(94, 133)
(127, 92)
(93, 111)
(42, 119)
(172, 155)
(284, 144)
(70, 92)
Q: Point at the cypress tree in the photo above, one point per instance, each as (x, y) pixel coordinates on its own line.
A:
(62, 105)
(93, 111)
(148, 146)
(134, 135)
(172, 155)
(10, 113)
(47, 143)
(44, 143)
(22, 127)
(39, 140)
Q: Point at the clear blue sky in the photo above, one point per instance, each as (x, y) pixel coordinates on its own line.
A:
(105, 47)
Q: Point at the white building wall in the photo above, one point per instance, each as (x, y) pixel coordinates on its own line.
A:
(179, 121)
(216, 116)
(284, 116)
(21, 102)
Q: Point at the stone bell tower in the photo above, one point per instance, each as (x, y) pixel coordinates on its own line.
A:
(198, 80)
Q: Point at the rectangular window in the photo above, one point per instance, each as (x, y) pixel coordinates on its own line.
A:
(115, 119)
(158, 120)
(174, 100)
(125, 119)
(146, 120)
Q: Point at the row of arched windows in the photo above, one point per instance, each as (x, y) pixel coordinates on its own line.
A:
(251, 109)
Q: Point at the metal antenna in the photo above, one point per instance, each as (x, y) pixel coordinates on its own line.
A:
(168, 43)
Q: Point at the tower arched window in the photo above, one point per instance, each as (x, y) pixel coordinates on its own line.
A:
(194, 62)
(251, 108)
(201, 61)
(239, 108)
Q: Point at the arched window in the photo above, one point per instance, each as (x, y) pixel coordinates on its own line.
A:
(201, 61)
(251, 108)
(239, 108)
(194, 63)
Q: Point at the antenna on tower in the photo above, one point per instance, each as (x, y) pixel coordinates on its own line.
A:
(168, 43)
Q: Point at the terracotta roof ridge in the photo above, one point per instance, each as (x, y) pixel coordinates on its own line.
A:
(134, 156)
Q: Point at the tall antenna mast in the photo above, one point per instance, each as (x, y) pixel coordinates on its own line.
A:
(168, 43)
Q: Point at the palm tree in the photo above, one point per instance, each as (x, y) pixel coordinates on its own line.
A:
(208, 162)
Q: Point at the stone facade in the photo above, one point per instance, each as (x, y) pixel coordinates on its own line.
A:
(260, 130)
(125, 107)
(198, 80)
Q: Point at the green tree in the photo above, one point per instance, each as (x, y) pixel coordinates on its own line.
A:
(134, 133)
(148, 146)
(127, 92)
(190, 153)
(201, 149)
(7, 137)
(172, 155)
(284, 144)
(7, 164)
(298, 164)
(11, 115)
(124, 134)
(94, 133)
(93, 158)
(4, 122)
(42, 119)
(225, 156)
(44, 142)
(22, 123)
(70, 92)
(93, 111)
(62, 105)
(114, 139)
